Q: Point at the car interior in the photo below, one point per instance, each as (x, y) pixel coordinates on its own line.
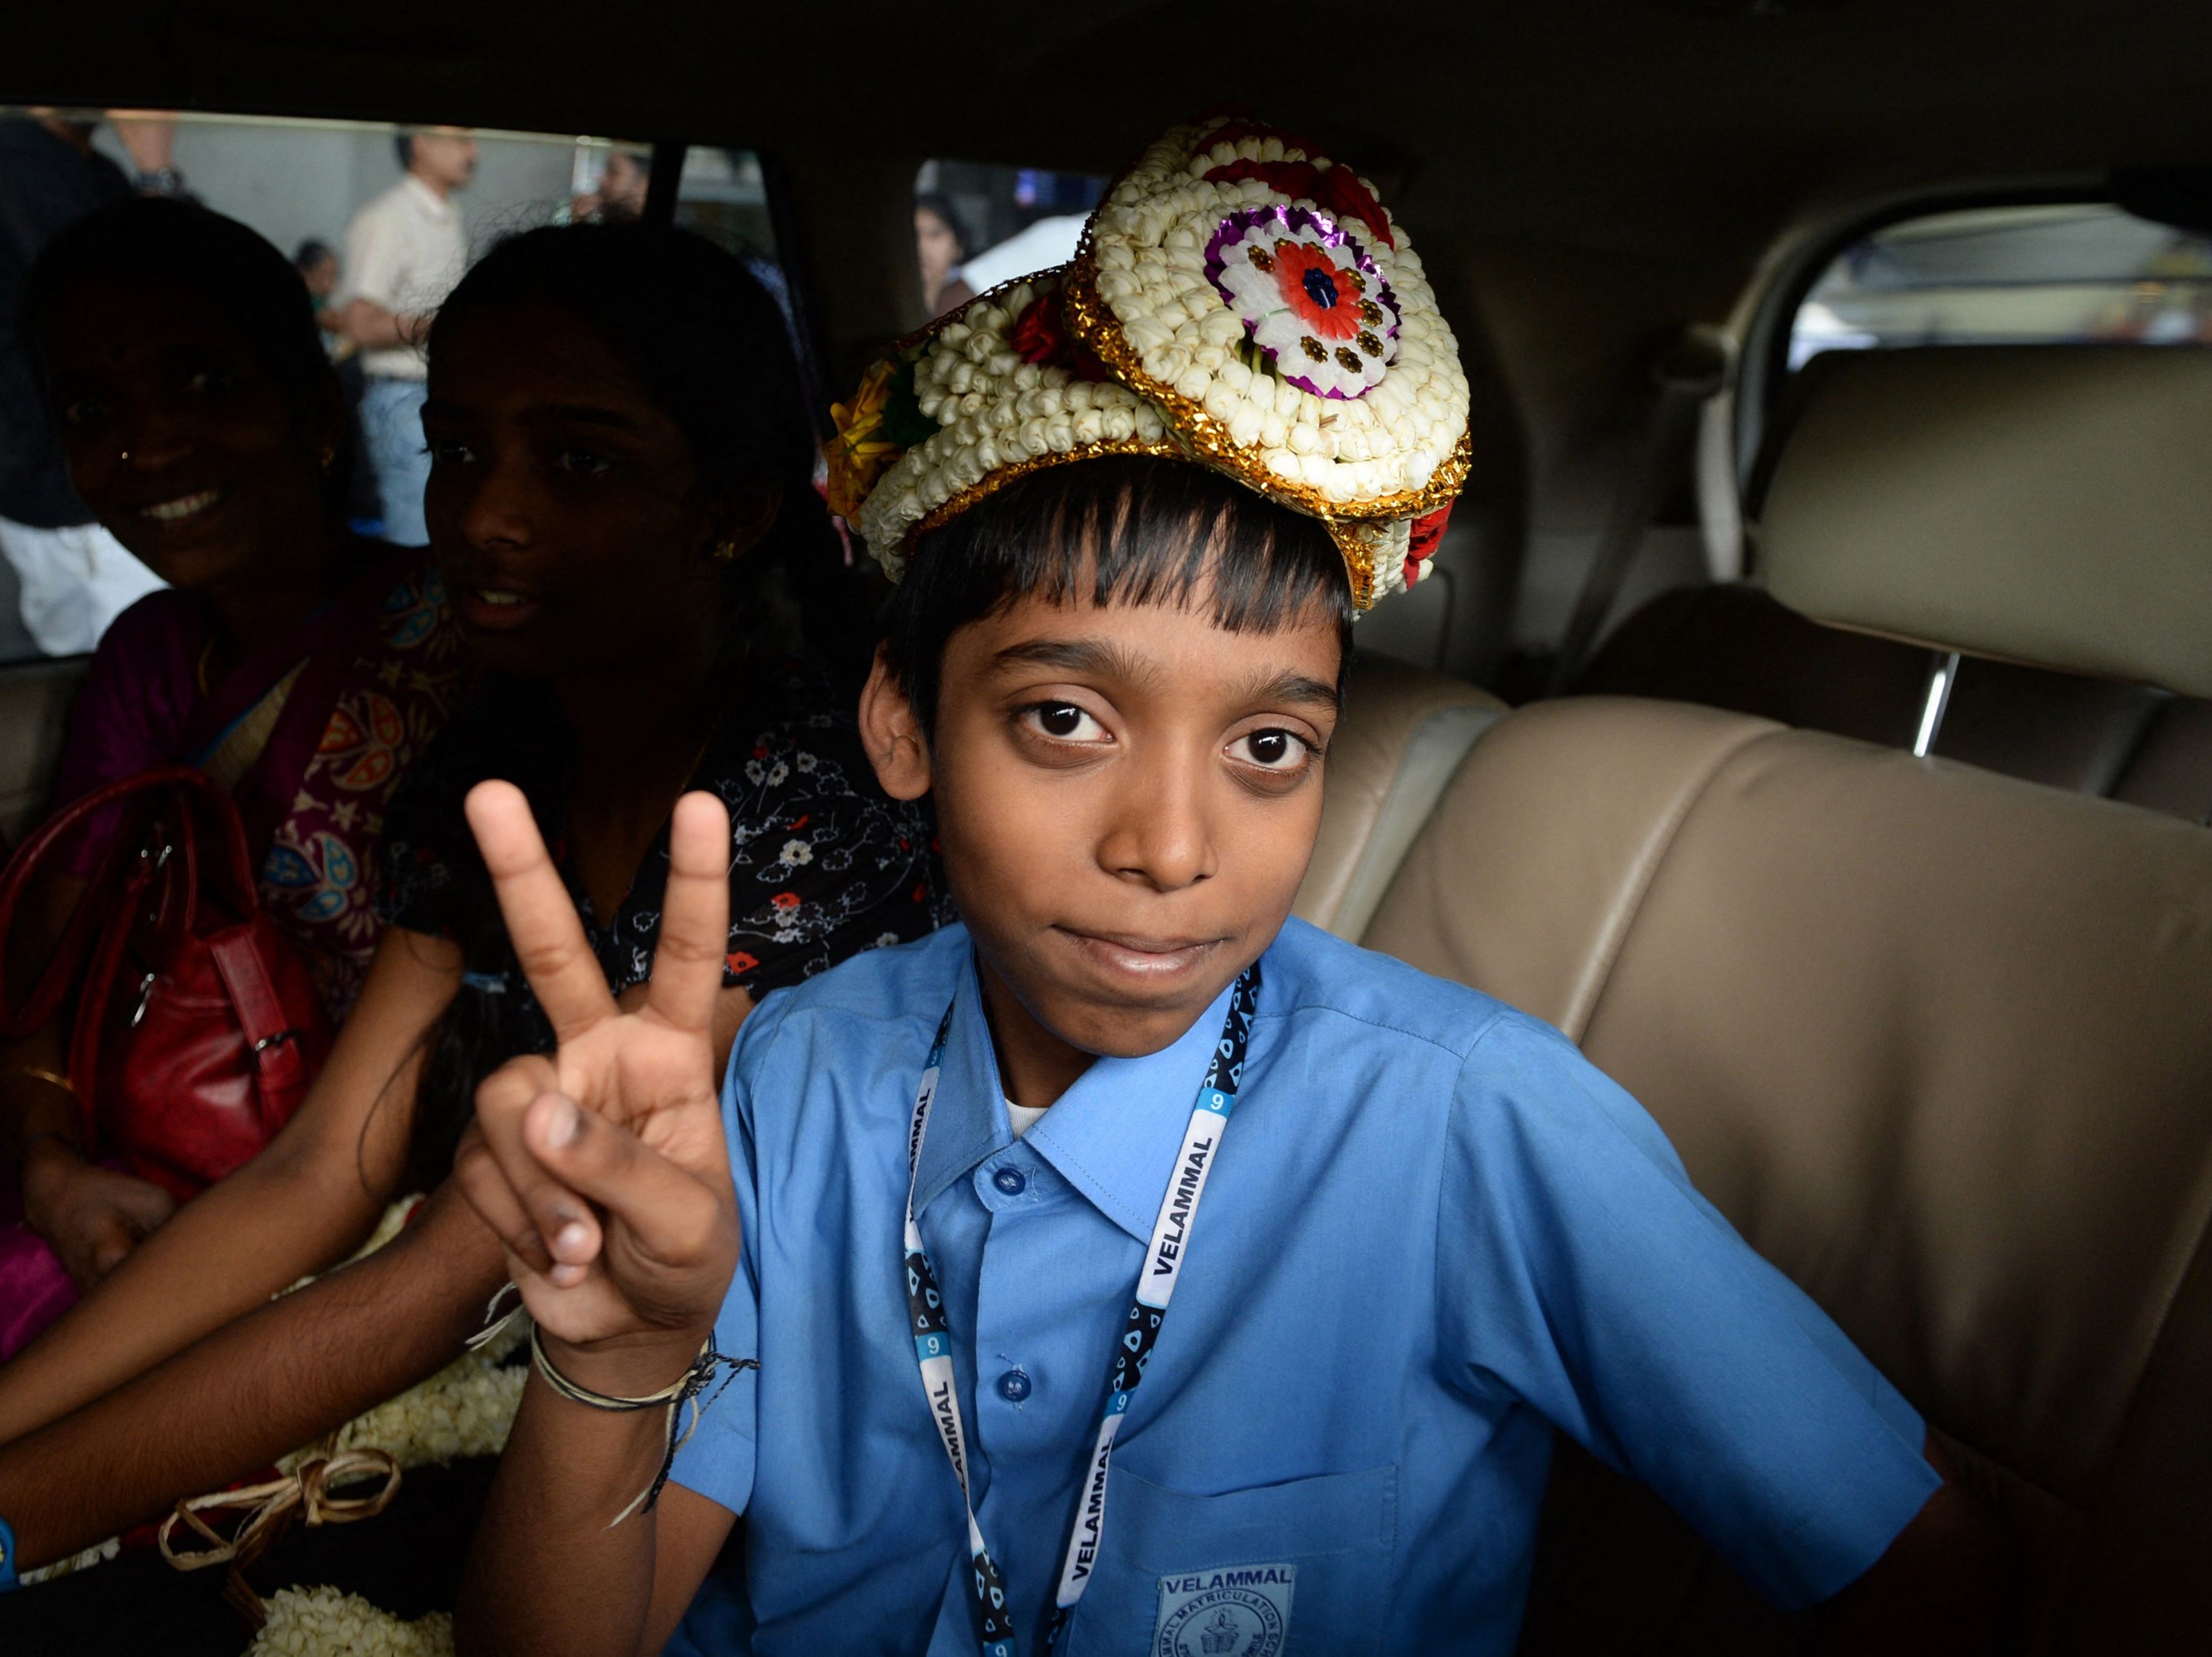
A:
(1810, 713)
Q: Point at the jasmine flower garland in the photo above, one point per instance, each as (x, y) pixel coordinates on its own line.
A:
(324, 1622)
(1239, 299)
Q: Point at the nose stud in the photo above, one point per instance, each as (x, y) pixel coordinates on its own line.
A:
(126, 455)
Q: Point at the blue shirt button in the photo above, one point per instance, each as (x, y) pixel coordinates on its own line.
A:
(1013, 1386)
(1014, 1182)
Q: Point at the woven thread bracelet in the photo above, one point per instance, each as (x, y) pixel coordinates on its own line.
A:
(684, 1391)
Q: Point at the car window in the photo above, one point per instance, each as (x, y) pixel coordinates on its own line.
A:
(977, 226)
(2077, 272)
(723, 195)
(302, 184)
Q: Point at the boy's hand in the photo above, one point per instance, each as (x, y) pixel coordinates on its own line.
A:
(601, 1165)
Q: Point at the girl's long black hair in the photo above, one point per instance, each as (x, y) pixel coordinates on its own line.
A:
(714, 351)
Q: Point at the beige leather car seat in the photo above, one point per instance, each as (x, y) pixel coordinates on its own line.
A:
(2071, 473)
(1937, 1041)
(34, 704)
(1402, 735)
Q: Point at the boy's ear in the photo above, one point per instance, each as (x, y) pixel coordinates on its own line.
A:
(892, 733)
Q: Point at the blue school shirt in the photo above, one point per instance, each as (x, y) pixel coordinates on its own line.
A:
(1434, 1236)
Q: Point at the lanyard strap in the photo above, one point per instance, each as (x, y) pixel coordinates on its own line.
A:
(1163, 1270)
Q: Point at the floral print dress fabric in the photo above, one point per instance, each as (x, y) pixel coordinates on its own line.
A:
(821, 864)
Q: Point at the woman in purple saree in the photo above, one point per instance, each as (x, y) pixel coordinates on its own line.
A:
(310, 734)
(301, 666)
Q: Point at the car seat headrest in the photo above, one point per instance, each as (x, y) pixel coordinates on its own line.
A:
(2046, 504)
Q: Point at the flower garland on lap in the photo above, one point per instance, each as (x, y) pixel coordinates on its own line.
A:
(466, 1410)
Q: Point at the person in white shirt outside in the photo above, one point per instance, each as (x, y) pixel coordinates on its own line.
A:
(404, 253)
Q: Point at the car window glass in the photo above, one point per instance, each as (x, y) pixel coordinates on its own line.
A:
(978, 225)
(2079, 272)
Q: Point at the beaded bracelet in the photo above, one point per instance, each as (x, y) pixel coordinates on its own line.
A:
(684, 1391)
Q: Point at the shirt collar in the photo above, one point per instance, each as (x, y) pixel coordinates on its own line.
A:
(1114, 1136)
(439, 208)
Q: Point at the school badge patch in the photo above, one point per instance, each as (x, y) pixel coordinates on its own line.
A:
(1244, 1610)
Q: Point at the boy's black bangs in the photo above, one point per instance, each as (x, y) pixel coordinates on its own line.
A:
(1154, 533)
(1122, 531)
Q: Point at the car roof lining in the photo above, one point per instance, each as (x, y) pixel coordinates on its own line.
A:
(1628, 123)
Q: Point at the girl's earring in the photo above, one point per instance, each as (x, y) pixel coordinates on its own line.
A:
(328, 455)
(725, 552)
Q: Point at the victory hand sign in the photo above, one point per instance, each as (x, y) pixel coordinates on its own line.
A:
(601, 1165)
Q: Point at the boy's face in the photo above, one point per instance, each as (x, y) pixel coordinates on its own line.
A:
(1127, 798)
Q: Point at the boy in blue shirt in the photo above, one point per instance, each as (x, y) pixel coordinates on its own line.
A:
(1404, 1233)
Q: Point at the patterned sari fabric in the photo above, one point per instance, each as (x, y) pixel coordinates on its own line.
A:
(823, 865)
(397, 679)
(311, 735)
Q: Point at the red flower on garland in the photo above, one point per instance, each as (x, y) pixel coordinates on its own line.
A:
(1312, 285)
(785, 901)
(738, 962)
(1421, 541)
(1040, 336)
(1334, 190)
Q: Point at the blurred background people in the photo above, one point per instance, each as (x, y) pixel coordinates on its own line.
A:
(317, 262)
(1039, 245)
(74, 578)
(148, 138)
(404, 252)
(621, 189)
(940, 243)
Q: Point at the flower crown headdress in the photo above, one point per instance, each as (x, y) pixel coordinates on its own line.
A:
(1239, 300)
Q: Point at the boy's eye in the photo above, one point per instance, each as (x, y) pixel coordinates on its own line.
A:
(1064, 722)
(449, 453)
(207, 380)
(1271, 750)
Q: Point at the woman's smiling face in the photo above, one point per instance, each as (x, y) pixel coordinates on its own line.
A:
(179, 435)
(565, 506)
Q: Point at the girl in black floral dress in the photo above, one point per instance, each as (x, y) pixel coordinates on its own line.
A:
(621, 492)
(823, 865)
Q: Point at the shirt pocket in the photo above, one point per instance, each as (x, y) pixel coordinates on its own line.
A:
(1337, 1532)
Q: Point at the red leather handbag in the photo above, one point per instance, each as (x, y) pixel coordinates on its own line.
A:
(196, 1028)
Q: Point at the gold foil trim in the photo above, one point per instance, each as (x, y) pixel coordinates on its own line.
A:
(1359, 557)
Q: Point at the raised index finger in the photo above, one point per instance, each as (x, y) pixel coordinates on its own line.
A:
(541, 918)
(695, 915)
